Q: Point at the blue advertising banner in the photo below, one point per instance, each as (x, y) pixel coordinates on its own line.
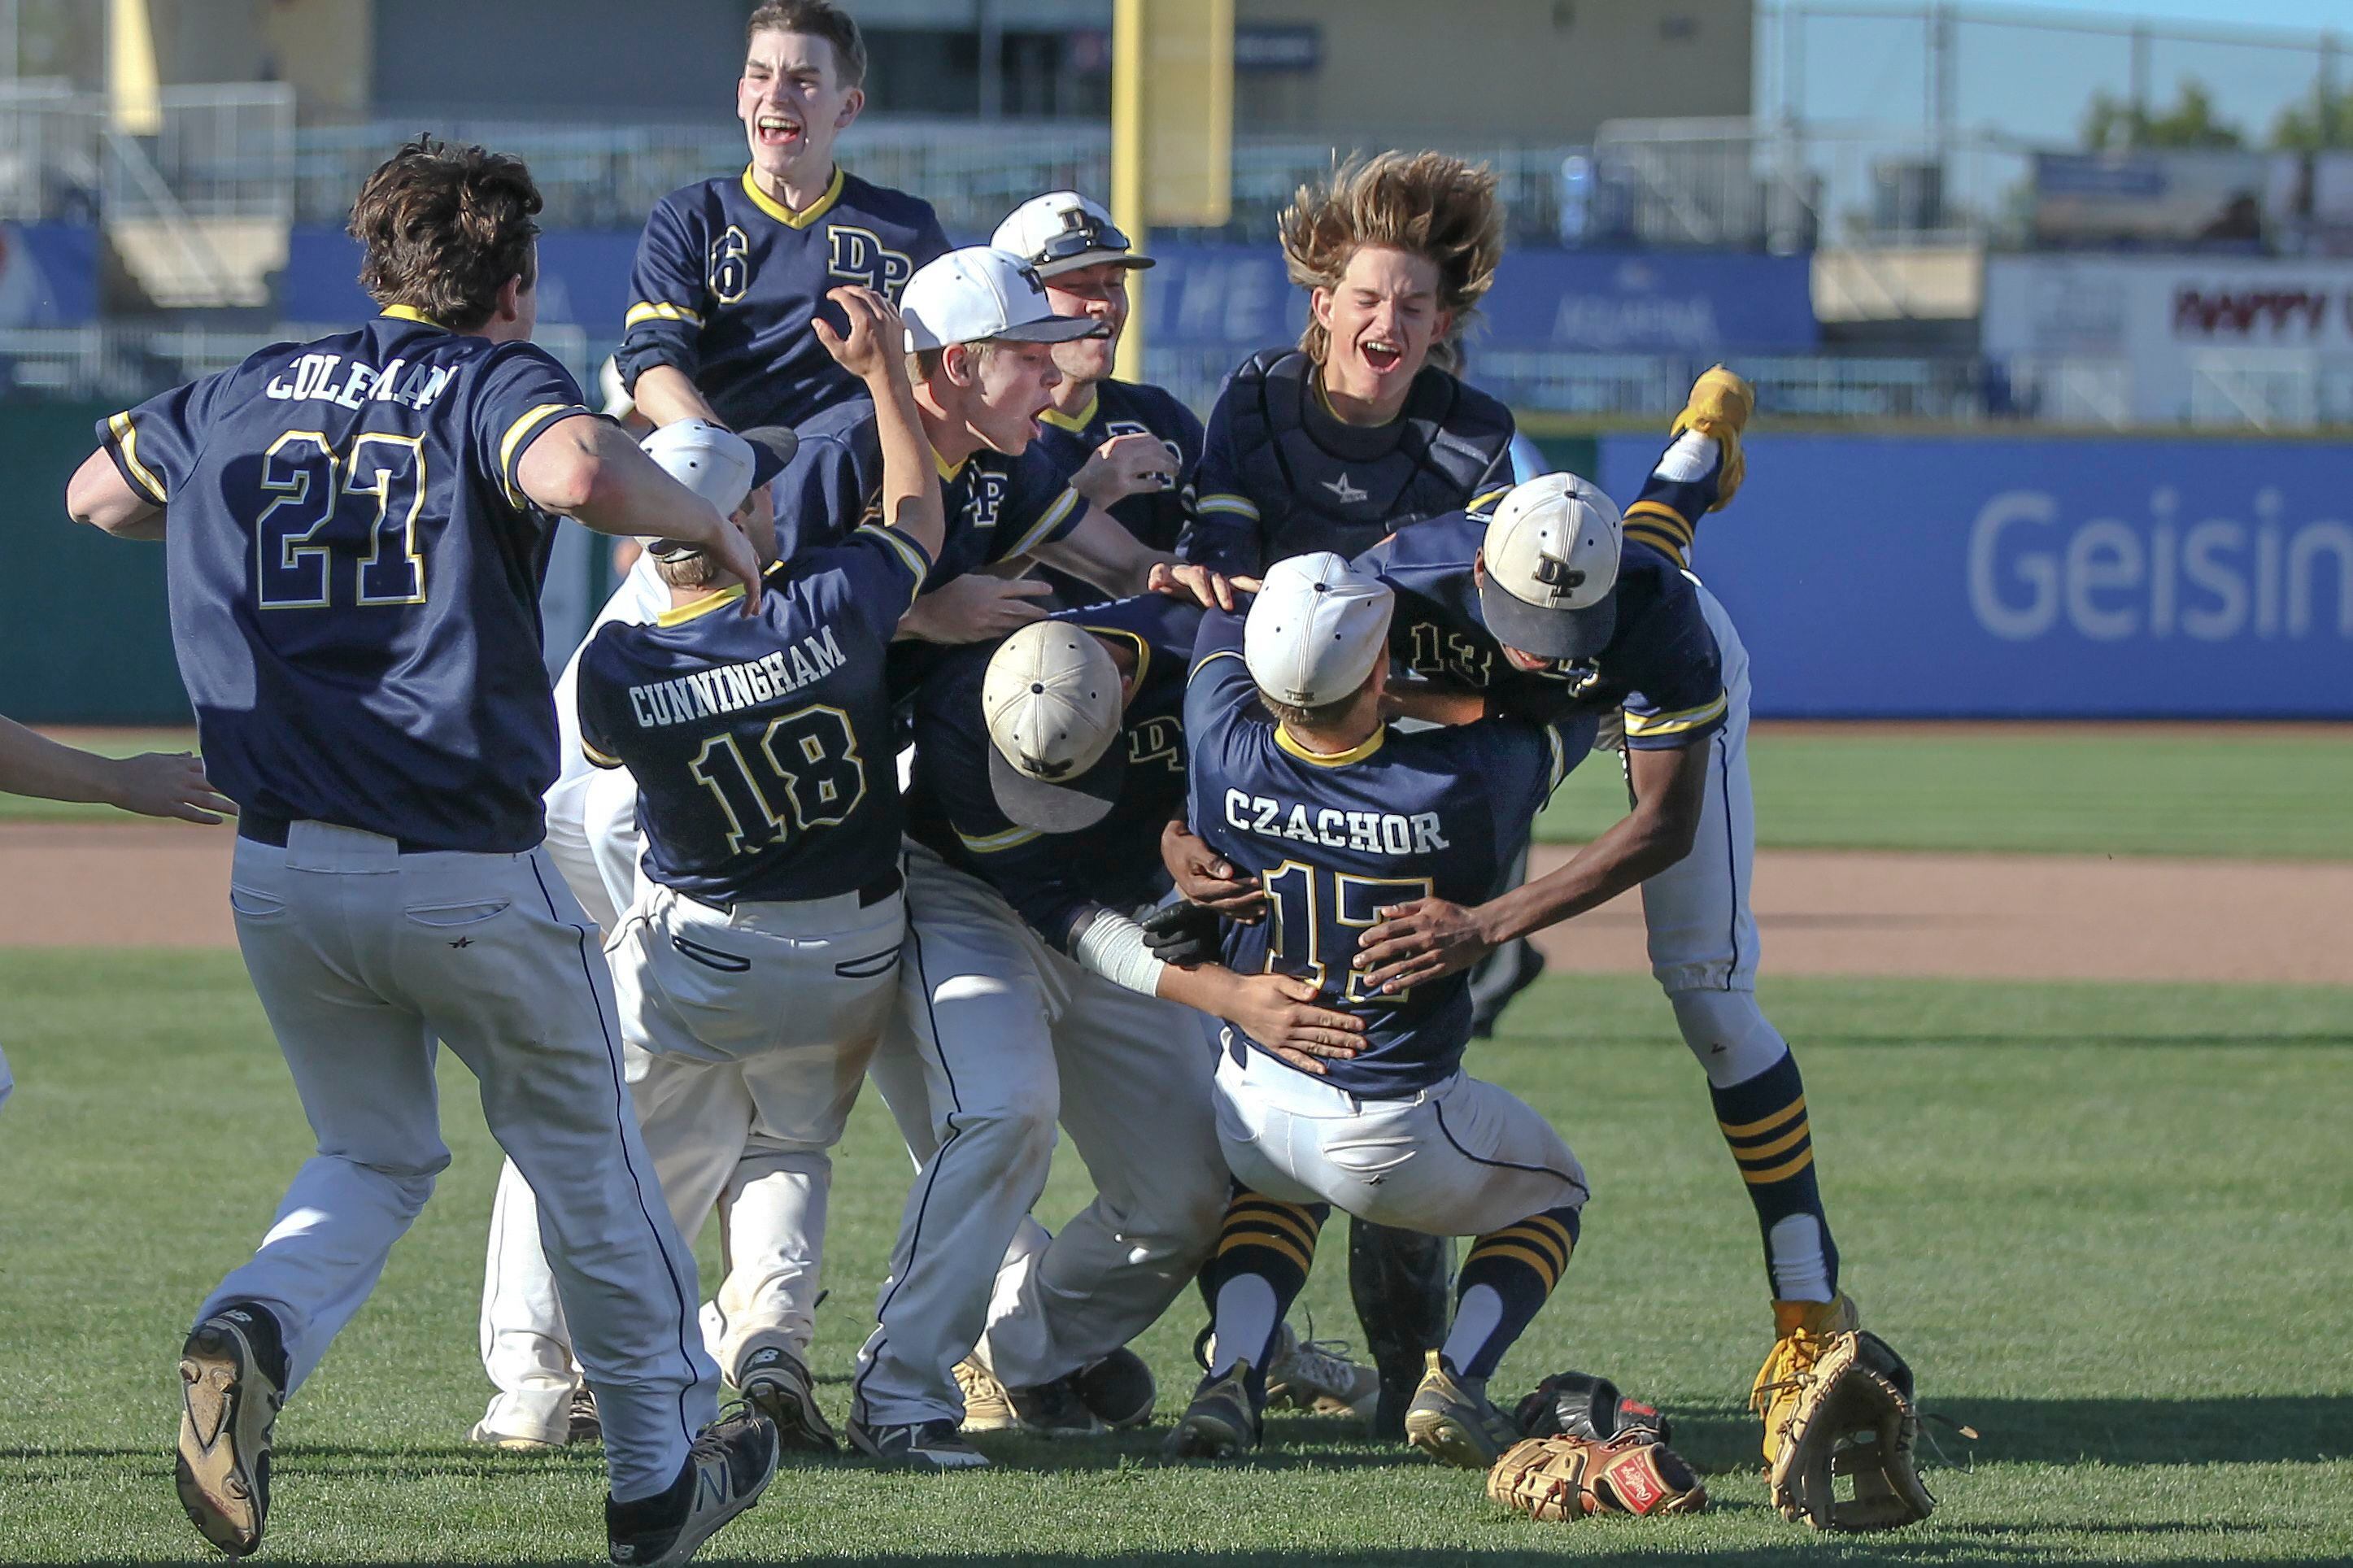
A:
(584, 278)
(1579, 301)
(1952, 577)
(49, 274)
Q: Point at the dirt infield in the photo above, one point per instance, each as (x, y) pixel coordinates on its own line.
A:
(1821, 912)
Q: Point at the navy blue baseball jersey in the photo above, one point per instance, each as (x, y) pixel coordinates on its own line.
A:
(1282, 475)
(1336, 839)
(1120, 408)
(762, 746)
(354, 578)
(1054, 880)
(1660, 664)
(834, 484)
(727, 279)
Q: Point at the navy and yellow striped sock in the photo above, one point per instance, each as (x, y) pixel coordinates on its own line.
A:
(1265, 1250)
(1504, 1283)
(1765, 1124)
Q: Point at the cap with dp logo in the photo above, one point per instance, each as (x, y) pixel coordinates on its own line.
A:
(1052, 702)
(979, 294)
(1551, 564)
(1317, 628)
(1061, 231)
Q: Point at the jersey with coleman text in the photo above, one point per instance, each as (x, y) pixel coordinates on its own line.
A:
(1661, 665)
(1053, 881)
(1334, 840)
(355, 575)
(727, 279)
(1118, 408)
(762, 746)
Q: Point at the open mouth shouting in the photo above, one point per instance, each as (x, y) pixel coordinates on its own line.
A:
(777, 131)
(1382, 354)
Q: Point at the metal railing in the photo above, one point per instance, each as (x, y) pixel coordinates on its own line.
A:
(219, 152)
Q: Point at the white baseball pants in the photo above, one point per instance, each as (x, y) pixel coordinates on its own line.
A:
(1702, 936)
(362, 957)
(1000, 1036)
(1463, 1158)
(747, 1034)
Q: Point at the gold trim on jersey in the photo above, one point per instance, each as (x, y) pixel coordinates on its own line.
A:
(1073, 423)
(1357, 753)
(126, 439)
(908, 551)
(948, 471)
(1048, 520)
(785, 214)
(410, 313)
(1143, 654)
(678, 614)
(655, 310)
(513, 440)
(1675, 724)
(1223, 501)
(1207, 658)
(595, 756)
(990, 844)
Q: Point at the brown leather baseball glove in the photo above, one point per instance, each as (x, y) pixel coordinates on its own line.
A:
(1556, 1478)
(1853, 1418)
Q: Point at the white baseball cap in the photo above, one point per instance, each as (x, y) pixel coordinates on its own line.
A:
(617, 401)
(980, 293)
(1063, 231)
(1051, 700)
(1551, 559)
(717, 464)
(1316, 630)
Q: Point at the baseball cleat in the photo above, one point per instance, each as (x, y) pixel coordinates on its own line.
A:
(511, 1442)
(934, 1445)
(1222, 1423)
(231, 1371)
(1803, 1331)
(1452, 1421)
(586, 1425)
(1053, 1410)
(773, 1381)
(728, 1466)
(986, 1407)
(1312, 1375)
(1119, 1389)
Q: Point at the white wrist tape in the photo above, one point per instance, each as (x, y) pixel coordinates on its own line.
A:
(1112, 945)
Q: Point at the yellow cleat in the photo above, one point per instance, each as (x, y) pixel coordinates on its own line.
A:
(1719, 406)
(987, 1406)
(1805, 1330)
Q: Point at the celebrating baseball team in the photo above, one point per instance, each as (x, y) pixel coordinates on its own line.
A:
(982, 726)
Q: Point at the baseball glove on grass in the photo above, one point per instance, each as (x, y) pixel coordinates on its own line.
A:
(1854, 1418)
(1556, 1478)
(1720, 406)
(1578, 1405)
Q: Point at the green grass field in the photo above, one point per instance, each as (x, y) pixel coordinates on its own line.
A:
(2087, 791)
(2112, 1227)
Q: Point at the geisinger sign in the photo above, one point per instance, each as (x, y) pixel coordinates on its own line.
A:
(1956, 577)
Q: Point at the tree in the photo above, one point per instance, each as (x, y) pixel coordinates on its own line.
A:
(2300, 127)
(2113, 125)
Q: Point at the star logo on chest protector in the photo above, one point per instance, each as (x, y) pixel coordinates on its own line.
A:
(1350, 494)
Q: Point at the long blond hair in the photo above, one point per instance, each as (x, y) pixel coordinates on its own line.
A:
(1426, 204)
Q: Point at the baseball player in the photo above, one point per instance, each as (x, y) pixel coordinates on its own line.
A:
(154, 784)
(730, 272)
(1341, 816)
(1130, 449)
(355, 530)
(1360, 430)
(1044, 771)
(739, 1098)
(1675, 663)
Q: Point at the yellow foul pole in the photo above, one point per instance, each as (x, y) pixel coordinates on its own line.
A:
(1172, 118)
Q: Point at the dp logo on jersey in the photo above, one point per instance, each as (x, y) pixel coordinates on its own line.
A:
(858, 256)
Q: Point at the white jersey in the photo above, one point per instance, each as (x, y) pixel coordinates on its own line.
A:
(639, 597)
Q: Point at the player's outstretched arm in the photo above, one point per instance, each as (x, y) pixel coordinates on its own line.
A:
(873, 350)
(99, 496)
(1414, 942)
(155, 784)
(666, 394)
(590, 469)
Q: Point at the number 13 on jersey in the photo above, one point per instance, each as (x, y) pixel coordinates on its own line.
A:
(1317, 915)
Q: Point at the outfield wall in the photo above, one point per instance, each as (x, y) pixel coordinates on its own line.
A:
(1959, 576)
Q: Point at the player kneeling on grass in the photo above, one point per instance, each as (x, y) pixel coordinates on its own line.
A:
(758, 963)
(1340, 817)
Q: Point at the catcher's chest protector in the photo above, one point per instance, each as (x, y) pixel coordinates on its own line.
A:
(1350, 489)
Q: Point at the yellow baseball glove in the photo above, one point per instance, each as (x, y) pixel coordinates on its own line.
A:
(1720, 406)
(1853, 1418)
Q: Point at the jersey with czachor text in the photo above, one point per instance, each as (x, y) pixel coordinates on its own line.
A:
(1334, 840)
(1662, 664)
(762, 746)
(355, 575)
(727, 279)
(1056, 879)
